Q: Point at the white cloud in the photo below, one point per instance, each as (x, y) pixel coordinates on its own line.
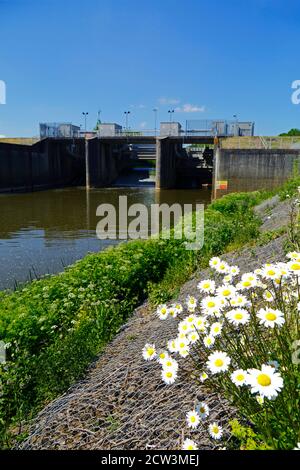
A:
(190, 108)
(164, 100)
(143, 124)
(138, 106)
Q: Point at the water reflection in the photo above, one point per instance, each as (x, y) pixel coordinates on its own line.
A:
(43, 232)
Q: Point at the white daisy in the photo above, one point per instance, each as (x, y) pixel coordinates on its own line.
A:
(234, 270)
(268, 296)
(170, 364)
(193, 337)
(200, 323)
(211, 304)
(203, 376)
(239, 300)
(294, 266)
(216, 329)
(248, 281)
(222, 267)
(270, 271)
(207, 286)
(270, 317)
(239, 377)
(293, 255)
(185, 327)
(226, 291)
(162, 355)
(209, 341)
(203, 410)
(215, 431)
(162, 312)
(238, 316)
(191, 303)
(172, 311)
(169, 376)
(215, 261)
(178, 307)
(227, 279)
(193, 419)
(172, 346)
(266, 381)
(218, 361)
(149, 352)
(188, 444)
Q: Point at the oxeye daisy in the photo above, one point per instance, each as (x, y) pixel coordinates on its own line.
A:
(293, 255)
(270, 271)
(227, 279)
(185, 327)
(172, 346)
(222, 267)
(234, 270)
(193, 419)
(294, 266)
(162, 312)
(207, 286)
(200, 323)
(188, 444)
(238, 316)
(162, 356)
(239, 300)
(239, 377)
(210, 304)
(190, 319)
(169, 364)
(203, 376)
(270, 317)
(191, 303)
(248, 281)
(209, 341)
(226, 291)
(149, 352)
(218, 361)
(172, 312)
(193, 337)
(266, 381)
(178, 308)
(203, 410)
(169, 376)
(268, 296)
(213, 262)
(216, 329)
(215, 431)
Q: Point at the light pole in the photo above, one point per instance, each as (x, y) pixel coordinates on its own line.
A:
(171, 111)
(155, 119)
(126, 114)
(236, 123)
(85, 116)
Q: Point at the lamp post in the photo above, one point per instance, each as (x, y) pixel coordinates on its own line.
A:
(155, 119)
(126, 114)
(236, 123)
(85, 116)
(171, 111)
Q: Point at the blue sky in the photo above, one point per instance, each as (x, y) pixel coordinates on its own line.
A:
(205, 59)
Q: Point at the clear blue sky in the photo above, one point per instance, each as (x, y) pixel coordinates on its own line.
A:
(216, 58)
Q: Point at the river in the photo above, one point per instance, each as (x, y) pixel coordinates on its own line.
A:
(43, 232)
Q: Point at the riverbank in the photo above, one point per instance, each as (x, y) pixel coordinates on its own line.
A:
(56, 326)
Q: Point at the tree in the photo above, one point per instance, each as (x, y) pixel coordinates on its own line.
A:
(290, 133)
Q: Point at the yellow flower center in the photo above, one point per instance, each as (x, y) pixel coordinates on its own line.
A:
(162, 355)
(190, 447)
(240, 377)
(182, 345)
(215, 429)
(246, 283)
(263, 380)
(226, 292)
(168, 364)
(211, 304)
(193, 419)
(238, 316)
(208, 340)
(295, 266)
(169, 375)
(206, 285)
(163, 311)
(271, 316)
(271, 272)
(184, 327)
(150, 351)
(219, 362)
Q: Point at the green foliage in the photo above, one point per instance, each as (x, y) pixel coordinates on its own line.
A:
(246, 438)
(291, 132)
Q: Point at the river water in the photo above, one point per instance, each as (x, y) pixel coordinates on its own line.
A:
(43, 232)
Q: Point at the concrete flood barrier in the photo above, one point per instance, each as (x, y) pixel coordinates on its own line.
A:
(252, 169)
(46, 164)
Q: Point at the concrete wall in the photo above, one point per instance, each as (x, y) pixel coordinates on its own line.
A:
(165, 164)
(46, 164)
(252, 169)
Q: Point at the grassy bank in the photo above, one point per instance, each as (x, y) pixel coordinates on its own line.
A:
(54, 327)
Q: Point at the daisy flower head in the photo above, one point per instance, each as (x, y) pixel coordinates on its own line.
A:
(207, 286)
(222, 267)
(294, 266)
(192, 419)
(270, 271)
(188, 444)
(293, 255)
(226, 291)
(214, 262)
(203, 376)
(210, 305)
(239, 300)
(169, 376)
(248, 281)
(283, 269)
(234, 270)
(238, 316)
(191, 319)
(216, 329)
(182, 346)
(217, 362)
(203, 410)
(266, 382)
(215, 431)
(178, 307)
(172, 346)
(268, 296)
(270, 317)
(149, 352)
(169, 364)
(200, 323)
(162, 312)
(162, 356)
(193, 337)
(172, 311)
(185, 327)
(191, 303)
(209, 341)
(239, 377)
(227, 279)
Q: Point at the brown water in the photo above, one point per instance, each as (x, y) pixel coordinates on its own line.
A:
(43, 232)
